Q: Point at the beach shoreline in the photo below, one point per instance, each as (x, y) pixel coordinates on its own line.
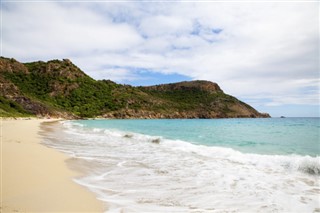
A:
(35, 178)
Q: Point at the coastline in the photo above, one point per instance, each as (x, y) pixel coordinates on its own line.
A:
(35, 178)
(152, 165)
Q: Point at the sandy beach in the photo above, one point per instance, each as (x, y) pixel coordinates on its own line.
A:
(35, 178)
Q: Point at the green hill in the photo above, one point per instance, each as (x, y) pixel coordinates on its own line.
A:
(60, 89)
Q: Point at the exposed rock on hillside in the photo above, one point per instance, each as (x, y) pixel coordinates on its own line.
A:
(205, 86)
(59, 88)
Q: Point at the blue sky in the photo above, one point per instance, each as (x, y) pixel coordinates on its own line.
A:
(266, 54)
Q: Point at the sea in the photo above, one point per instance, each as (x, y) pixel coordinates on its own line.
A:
(195, 165)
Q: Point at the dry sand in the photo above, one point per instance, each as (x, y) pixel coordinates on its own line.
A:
(35, 178)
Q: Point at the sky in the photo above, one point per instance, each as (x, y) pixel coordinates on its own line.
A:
(265, 53)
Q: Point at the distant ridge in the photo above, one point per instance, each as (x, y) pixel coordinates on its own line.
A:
(206, 86)
(60, 89)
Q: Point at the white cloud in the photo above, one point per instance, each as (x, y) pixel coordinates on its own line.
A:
(252, 50)
(117, 74)
(37, 30)
(164, 25)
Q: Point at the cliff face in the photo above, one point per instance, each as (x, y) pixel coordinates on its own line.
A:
(203, 86)
(60, 89)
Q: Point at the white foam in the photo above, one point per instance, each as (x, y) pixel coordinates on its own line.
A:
(133, 174)
(70, 124)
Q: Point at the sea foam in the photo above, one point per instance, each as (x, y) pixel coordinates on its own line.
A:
(141, 173)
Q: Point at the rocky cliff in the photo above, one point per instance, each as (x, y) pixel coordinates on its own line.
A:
(59, 88)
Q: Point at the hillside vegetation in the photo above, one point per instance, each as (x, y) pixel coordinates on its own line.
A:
(60, 89)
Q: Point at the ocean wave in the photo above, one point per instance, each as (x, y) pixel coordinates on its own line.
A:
(309, 165)
(305, 164)
(134, 172)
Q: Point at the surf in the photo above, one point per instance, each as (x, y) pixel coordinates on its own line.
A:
(137, 172)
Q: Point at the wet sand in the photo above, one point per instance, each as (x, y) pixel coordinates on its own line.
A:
(35, 178)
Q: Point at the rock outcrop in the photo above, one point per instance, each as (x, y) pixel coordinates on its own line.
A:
(59, 88)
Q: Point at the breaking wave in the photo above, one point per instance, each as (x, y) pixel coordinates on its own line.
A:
(134, 172)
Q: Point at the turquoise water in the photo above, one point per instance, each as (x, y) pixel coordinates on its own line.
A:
(263, 136)
(217, 165)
